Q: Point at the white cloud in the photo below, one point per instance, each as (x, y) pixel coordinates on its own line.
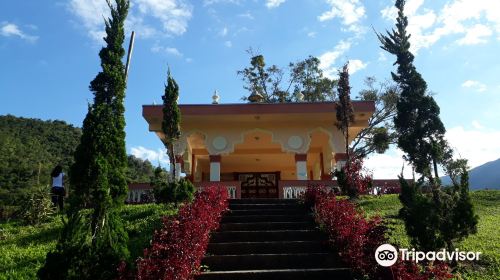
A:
(212, 2)
(475, 19)
(328, 59)
(311, 34)
(478, 145)
(247, 15)
(388, 165)
(160, 155)
(228, 44)
(168, 50)
(475, 85)
(172, 14)
(382, 56)
(10, 29)
(355, 65)
(274, 3)
(477, 34)
(350, 11)
(223, 32)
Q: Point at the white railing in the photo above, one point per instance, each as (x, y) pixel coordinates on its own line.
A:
(231, 192)
(293, 192)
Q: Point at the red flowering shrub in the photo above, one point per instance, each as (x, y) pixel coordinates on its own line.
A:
(177, 249)
(353, 178)
(357, 238)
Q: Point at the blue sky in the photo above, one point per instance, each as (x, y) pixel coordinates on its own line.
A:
(49, 53)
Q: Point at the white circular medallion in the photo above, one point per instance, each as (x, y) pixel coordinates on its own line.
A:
(295, 142)
(219, 143)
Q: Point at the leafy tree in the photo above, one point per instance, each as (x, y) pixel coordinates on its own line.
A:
(94, 241)
(138, 170)
(379, 133)
(440, 218)
(171, 119)
(420, 130)
(271, 82)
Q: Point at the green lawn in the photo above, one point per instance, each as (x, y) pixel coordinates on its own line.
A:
(487, 239)
(23, 248)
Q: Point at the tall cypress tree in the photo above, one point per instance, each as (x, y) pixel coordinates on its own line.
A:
(171, 118)
(345, 111)
(419, 127)
(94, 242)
(437, 219)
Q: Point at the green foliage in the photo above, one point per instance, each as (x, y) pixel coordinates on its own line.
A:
(304, 78)
(419, 127)
(171, 118)
(39, 206)
(345, 111)
(379, 133)
(438, 219)
(138, 170)
(29, 150)
(24, 247)
(171, 191)
(444, 216)
(94, 242)
(487, 207)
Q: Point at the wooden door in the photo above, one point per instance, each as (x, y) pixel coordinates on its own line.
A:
(259, 185)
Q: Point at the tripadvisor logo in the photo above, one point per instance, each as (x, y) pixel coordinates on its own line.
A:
(387, 255)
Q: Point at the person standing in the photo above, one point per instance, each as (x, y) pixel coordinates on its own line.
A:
(58, 191)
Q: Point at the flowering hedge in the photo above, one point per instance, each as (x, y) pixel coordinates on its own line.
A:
(357, 238)
(177, 249)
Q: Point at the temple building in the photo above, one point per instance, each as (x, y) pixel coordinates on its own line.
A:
(257, 149)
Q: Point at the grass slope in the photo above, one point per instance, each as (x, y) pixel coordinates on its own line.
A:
(23, 248)
(487, 239)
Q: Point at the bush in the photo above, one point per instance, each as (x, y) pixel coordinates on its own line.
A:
(174, 192)
(178, 248)
(357, 238)
(38, 207)
(353, 179)
(439, 218)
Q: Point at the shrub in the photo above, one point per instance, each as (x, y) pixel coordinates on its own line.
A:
(174, 192)
(178, 248)
(353, 179)
(38, 207)
(357, 238)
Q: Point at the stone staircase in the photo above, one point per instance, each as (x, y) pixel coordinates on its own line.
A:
(270, 239)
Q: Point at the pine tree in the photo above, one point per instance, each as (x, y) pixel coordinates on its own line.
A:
(345, 111)
(171, 118)
(94, 242)
(420, 130)
(439, 218)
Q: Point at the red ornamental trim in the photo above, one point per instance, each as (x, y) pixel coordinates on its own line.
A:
(300, 157)
(215, 158)
(179, 159)
(340, 156)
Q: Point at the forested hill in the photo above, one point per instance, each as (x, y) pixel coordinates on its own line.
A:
(30, 148)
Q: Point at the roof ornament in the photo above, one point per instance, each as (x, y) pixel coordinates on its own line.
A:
(215, 97)
(255, 97)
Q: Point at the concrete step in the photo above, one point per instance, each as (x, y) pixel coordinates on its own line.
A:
(266, 235)
(270, 261)
(242, 206)
(263, 201)
(273, 274)
(251, 212)
(266, 226)
(267, 247)
(266, 218)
